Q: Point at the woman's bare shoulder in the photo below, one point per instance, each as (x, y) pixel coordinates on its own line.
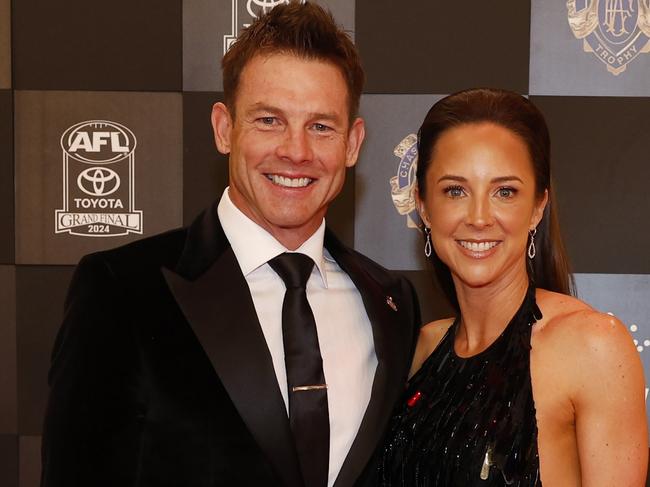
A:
(568, 319)
(428, 340)
(580, 340)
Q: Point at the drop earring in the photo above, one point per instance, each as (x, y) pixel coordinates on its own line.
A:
(531, 247)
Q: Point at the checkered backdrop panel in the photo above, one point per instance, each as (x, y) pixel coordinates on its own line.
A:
(128, 86)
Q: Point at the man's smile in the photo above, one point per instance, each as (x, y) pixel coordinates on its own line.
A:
(288, 182)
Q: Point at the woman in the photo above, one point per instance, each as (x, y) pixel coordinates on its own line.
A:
(527, 384)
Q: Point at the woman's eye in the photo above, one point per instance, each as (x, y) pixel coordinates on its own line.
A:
(506, 192)
(454, 191)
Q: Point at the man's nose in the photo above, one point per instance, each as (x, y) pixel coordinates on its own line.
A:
(295, 146)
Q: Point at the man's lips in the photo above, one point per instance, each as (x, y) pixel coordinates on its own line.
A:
(289, 182)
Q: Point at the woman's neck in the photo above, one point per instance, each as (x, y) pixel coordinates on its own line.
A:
(486, 311)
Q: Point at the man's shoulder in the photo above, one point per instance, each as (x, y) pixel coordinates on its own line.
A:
(161, 250)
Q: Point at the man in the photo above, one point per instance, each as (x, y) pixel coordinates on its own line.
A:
(173, 364)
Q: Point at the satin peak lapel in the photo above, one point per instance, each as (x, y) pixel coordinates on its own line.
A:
(219, 307)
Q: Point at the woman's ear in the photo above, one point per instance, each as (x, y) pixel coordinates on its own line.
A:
(538, 212)
(419, 204)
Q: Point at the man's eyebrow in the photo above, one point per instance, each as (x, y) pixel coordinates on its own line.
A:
(262, 107)
(325, 116)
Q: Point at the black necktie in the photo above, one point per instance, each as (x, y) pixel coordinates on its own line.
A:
(308, 413)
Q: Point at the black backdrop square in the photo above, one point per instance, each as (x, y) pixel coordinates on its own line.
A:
(436, 46)
(5, 44)
(599, 145)
(87, 45)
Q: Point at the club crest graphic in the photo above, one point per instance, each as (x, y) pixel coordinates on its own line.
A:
(615, 31)
(243, 13)
(402, 185)
(98, 181)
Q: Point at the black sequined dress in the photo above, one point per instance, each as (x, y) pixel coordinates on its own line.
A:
(468, 421)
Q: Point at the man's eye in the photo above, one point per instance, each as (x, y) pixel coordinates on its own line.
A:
(267, 120)
(319, 127)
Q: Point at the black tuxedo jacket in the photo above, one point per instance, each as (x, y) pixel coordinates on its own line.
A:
(161, 375)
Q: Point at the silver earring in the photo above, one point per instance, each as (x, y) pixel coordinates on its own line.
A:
(427, 244)
(531, 247)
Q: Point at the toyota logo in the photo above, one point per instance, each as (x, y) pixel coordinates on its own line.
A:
(98, 181)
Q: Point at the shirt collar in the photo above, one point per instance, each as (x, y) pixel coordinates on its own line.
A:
(253, 246)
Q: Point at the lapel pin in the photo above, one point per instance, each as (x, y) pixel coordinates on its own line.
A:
(391, 303)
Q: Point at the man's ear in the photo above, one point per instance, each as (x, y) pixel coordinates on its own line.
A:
(356, 134)
(221, 127)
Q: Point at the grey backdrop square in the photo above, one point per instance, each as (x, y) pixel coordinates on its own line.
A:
(380, 231)
(42, 117)
(340, 214)
(40, 292)
(433, 304)
(5, 44)
(601, 169)
(425, 46)
(560, 66)
(208, 24)
(6, 178)
(626, 297)
(8, 371)
(623, 295)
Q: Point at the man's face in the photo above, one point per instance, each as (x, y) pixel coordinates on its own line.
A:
(290, 141)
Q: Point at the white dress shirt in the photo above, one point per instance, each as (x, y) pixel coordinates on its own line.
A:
(344, 330)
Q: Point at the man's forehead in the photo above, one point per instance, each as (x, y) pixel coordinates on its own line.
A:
(287, 68)
(287, 57)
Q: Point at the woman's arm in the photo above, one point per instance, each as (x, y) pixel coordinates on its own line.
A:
(608, 393)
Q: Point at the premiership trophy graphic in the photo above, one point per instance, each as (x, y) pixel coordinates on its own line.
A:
(615, 31)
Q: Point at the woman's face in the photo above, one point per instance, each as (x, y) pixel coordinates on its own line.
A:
(481, 202)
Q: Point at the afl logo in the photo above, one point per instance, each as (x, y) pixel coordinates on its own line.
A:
(98, 142)
(102, 202)
(98, 181)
